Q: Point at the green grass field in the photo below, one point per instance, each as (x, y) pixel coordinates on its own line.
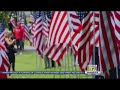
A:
(30, 61)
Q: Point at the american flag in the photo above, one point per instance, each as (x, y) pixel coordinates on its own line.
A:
(115, 19)
(32, 28)
(59, 29)
(55, 51)
(12, 20)
(95, 38)
(48, 18)
(45, 30)
(86, 34)
(4, 63)
(109, 56)
(38, 37)
(74, 22)
(2, 32)
(32, 19)
(26, 29)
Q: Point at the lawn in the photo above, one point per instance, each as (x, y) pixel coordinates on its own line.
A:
(30, 61)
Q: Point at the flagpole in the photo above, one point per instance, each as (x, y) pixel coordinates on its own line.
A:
(68, 60)
(117, 68)
(71, 38)
(65, 62)
(44, 57)
(93, 61)
(36, 61)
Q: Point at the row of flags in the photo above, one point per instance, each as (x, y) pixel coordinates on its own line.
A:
(81, 31)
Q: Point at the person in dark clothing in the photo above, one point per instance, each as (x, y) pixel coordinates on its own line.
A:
(47, 62)
(53, 63)
(10, 49)
(59, 64)
(10, 26)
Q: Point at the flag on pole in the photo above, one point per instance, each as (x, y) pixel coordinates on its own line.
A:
(12, 21)
(45, 30)
(109, 56)
(26, 29)
(38, 37)
(32, 19)
(74, 23)
(4, 63)
(115, 19)
(84, 47)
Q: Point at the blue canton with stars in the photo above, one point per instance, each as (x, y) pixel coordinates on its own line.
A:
(49, 14)
(82, 14)
(2, 26)
(37, 14)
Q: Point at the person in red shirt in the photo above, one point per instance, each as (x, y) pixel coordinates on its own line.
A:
(19, 35)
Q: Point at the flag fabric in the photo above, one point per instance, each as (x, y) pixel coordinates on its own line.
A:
(95, 38)
(59, 29)
(84, 47)
(74, 22)
(12, 21)
(49, 15)
(32, 28)
(46, 23)
(58, 24)
(45, 30)
(115, 19)
(2, 32)
(26, 29)
(38, 37)
(4, 63)
(55, 52)
(109, 56)
(32, 19)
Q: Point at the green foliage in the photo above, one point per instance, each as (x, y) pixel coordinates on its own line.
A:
(5, 15)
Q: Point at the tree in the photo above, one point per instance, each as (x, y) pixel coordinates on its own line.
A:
(5, 16)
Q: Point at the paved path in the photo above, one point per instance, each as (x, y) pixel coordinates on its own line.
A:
(28, 49)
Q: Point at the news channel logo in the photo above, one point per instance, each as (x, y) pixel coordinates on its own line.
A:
(92, 70)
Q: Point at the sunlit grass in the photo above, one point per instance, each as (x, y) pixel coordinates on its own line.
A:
(29, 61)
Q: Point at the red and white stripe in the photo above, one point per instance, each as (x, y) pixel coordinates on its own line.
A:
(59, 29)
(55, 52)
(84, 40)
(32, 19)
(48, 21)
(95, 37)
(46, 27)
(4, 63)
(74, 23)
(2, 37)
(45, 30)
(12, 20)
(115, 19)
(26, 31)
(33, 29)
(38, 37)
(109, 56)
